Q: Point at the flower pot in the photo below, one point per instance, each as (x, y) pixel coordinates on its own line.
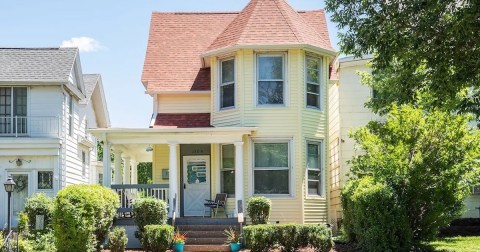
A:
(235, 247)
(178, 247)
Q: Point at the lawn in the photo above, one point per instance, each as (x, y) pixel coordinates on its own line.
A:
(457, 244)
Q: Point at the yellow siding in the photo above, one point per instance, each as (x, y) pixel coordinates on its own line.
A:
(160, 161)
(334, 147)
(182, 103)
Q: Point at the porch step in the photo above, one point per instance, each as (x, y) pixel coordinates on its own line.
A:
(206, 221)
(206, 248)
(205, 234)
(189, 228)
(205, 241)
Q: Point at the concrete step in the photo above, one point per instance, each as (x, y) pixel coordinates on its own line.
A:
(206, 248)
(205, 241)
(205, 234)
(186, 228)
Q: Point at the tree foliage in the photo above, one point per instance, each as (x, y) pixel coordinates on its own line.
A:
(429, 159)
(420, 46)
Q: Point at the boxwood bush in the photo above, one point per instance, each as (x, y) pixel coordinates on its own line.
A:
(258, 210)
(289, 236)
(372, 219)
(117, 239)
(82, 216)
(39, 204)
(157, 238)
(149, 211)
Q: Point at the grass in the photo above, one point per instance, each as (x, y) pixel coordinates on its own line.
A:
(457, 244)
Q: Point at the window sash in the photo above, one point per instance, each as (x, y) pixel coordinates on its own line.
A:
(226, 169)
(312, 82)
(224, 83)
(263, 169)
(280, 81)
(319, 169)
(45, 180)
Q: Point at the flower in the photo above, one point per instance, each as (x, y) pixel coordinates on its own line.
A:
(179, 238)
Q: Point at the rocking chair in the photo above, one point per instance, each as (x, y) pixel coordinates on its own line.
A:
(220, 201)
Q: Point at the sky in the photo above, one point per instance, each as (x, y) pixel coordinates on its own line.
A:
(112, 37)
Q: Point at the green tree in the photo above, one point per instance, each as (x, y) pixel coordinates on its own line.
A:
(144, 172)
(429, 159)
(420, 46)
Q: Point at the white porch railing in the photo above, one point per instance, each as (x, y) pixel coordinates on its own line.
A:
(29, 126)
(131, 192)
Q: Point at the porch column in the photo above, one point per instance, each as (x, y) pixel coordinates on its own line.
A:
(127, 172)
(239, 185)
(107, 169)
(118, 167)
(134, 172)
(173, 182)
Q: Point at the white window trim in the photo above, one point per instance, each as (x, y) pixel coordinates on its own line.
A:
(284, 56)
(36, 180)
(291, 181)
(225, 169)
(321, 143)
(220, 84)
(70, 114)
(320, 85)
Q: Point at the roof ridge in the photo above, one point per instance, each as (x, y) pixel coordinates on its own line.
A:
(194, 12)
(250, 14)
(289, 21)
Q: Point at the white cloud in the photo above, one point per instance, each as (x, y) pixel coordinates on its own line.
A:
(84, 44)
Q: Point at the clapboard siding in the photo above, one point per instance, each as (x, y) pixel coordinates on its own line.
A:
(45, 101)
(184, 103)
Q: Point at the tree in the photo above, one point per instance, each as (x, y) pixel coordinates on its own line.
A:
(420, 46)
(429, 159)
(144, 171)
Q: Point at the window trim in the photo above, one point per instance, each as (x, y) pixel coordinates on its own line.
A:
(221, 84)
(37, 177)
(320, 84)
(321, 144)
(284, 56)
(226, 169)
(291, 161)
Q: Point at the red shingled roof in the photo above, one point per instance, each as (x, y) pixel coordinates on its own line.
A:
(182, 120)
(177, 40)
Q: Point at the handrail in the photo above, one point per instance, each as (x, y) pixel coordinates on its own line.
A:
(139, 186)
(30, 126)
(7, 242)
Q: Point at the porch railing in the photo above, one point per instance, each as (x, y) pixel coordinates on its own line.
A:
(29, 126)
(130, 193)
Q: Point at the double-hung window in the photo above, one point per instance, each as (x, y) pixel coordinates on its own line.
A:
(314, 169)
(227, 83)
(13, 110)
(272, 168)
(84, 163)
(70, 115)
(270, 79)
(228, 169)
(313, 80)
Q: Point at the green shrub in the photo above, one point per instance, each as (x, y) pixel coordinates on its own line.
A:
(23, 223)
(82, 217)
(259, 210)
(157, 238)
(117, 240)
(38, 242)
(149, 211)
(289, 236)
(39, 204)
(373, 219)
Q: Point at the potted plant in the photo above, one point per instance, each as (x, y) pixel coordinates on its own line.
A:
(233, 239)
(178, 241)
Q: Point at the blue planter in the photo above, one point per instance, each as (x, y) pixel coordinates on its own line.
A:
(235, 247)
(178, 247)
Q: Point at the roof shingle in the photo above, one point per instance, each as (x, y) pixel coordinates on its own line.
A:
(182, 120)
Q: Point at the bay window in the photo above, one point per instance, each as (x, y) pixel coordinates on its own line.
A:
(313, 80)
(227, 170)
(270, 79)
(227, 83)
(314, 169)
(271, 168)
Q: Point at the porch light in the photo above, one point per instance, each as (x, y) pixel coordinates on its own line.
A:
(9, 184)
(19, 161)
(149, 148)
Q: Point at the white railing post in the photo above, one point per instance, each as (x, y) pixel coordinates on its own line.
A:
(16, 126)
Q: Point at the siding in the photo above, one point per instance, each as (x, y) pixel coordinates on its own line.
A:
(334, 149)
(45, 101)
(176, 103)
(160, 161)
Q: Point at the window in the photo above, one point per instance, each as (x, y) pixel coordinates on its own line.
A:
(227, 84)
(228, 170)
(271, 168)
(13, 110)
(100, 178)
(313, 78)
(270, 79)
(70, 115)
(84, 163)
(45, 180)
(314, 169)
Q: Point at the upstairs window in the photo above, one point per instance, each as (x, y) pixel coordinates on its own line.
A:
(70, 115)
(270, 79)
(227, 84)
(13, 110)
(313, 78)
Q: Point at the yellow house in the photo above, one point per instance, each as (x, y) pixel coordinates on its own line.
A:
(239, 107)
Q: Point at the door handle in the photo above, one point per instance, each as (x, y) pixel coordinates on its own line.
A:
(184, 186)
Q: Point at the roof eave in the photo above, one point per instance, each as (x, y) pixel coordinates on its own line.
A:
(328, 52)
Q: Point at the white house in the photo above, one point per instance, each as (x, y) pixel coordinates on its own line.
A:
(46, 106)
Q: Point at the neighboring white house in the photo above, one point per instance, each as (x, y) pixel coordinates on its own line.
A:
(46, 106)
(347, 112)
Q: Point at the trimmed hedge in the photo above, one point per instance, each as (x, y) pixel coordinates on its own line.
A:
(157, 238)
(149, 211)
(372, 218)
(39, 204)
(82, 217)
(117, 239)
(258, 209)
(289, 236)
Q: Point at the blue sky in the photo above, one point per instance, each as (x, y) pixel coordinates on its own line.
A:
(113, 35)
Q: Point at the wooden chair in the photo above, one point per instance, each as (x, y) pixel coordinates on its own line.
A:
(219, 202)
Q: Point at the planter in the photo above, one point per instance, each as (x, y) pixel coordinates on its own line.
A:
(235, 247)
(178, 247)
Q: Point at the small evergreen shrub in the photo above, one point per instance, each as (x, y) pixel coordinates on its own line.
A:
(289, 236)
(23, 224)
(149, 211)
(157, 238)
(259, 210)
(82, 217)
(39, 204)
(373, 219)
(117, 240)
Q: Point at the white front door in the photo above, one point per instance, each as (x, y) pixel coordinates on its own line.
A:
(20, 194)
(196, 184)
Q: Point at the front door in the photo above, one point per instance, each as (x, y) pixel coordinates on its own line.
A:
(196, 184)
(20, 194)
